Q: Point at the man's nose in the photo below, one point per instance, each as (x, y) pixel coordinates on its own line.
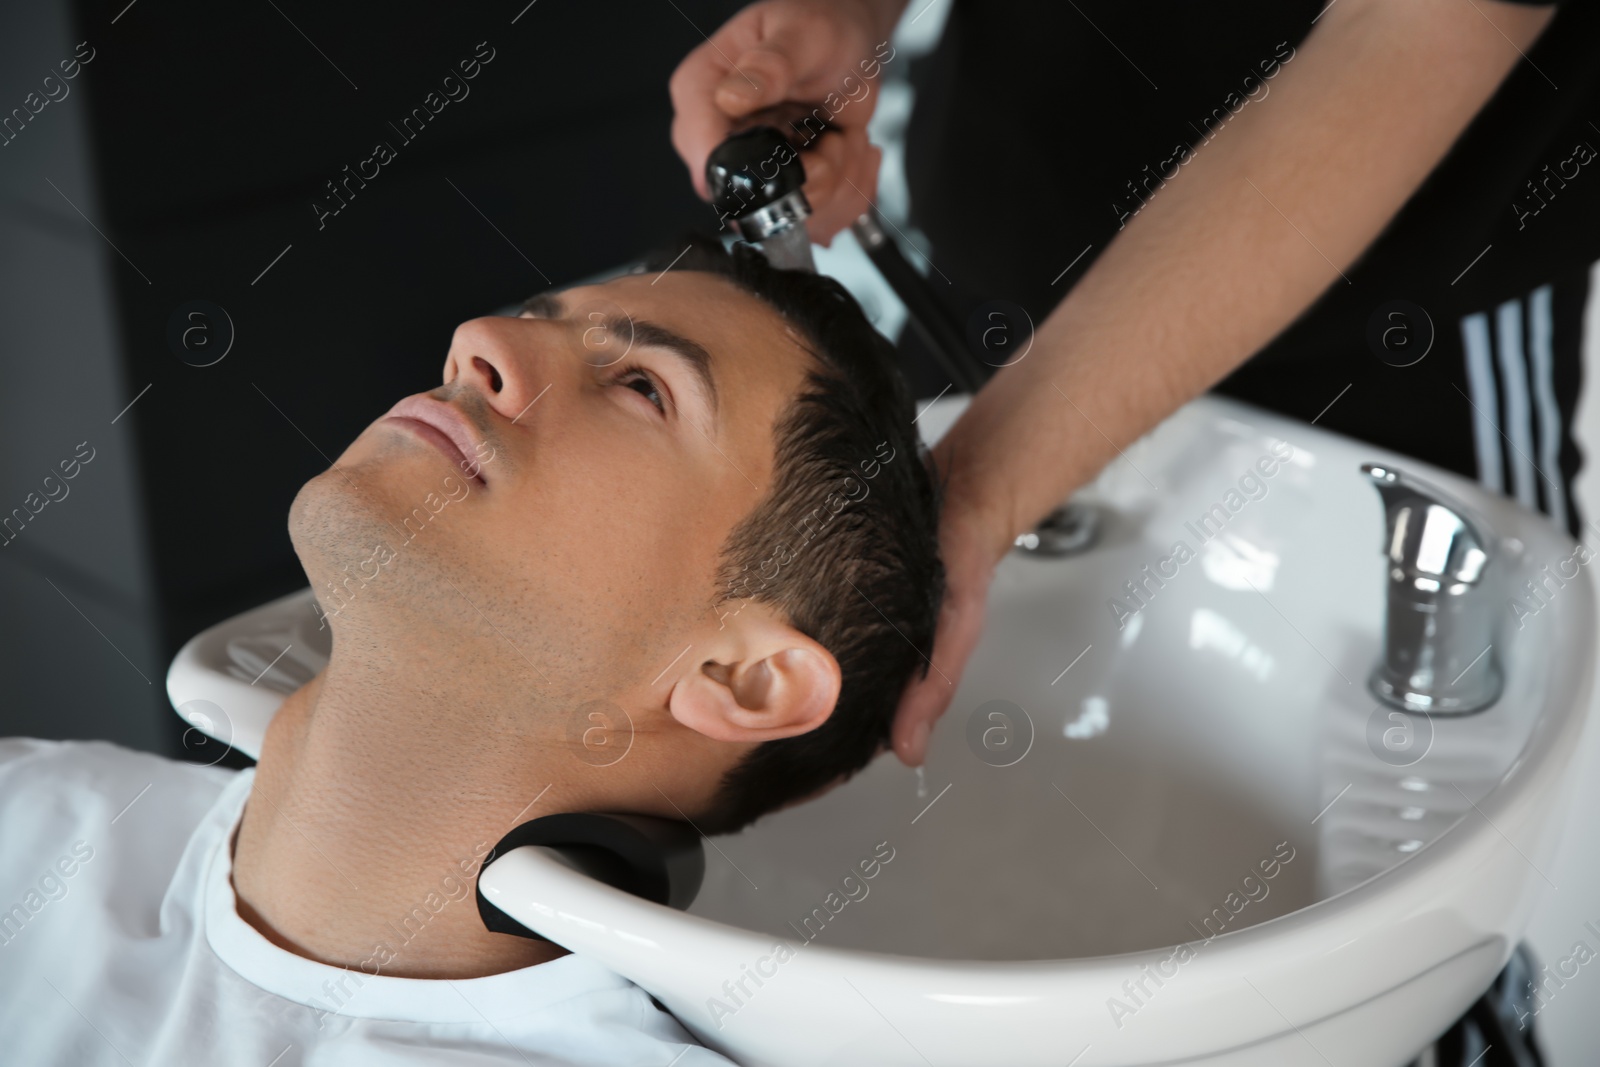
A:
(506, 359)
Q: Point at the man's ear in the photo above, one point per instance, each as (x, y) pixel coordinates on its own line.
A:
(756, 679)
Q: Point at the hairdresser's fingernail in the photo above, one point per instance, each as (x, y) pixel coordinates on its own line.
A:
(740, 89)
(919, 743)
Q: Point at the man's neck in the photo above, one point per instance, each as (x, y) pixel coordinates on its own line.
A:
(365, 828)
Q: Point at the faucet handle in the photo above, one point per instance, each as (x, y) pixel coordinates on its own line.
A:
(1432, 539)
(1440, 622)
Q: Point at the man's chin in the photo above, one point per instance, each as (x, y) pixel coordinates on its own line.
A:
(378, 533)
(335, 520)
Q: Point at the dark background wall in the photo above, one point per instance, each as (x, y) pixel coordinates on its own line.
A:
(183, 164)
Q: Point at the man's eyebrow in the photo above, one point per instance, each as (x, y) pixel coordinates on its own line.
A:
(640, 332)
(542, 306)
(688, 352)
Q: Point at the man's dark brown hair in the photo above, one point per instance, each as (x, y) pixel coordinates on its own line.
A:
(845, 544)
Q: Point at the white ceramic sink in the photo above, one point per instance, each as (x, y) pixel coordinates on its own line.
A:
(1208, 853)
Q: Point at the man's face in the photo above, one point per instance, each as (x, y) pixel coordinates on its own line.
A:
(608, 475)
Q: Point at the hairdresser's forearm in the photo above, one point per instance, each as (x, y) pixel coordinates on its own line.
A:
(1241, 240)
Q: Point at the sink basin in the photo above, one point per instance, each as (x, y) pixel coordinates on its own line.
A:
(1163, 822)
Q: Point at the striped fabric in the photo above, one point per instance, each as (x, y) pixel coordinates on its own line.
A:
(1517, 426)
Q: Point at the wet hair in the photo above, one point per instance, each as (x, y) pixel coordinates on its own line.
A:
(845, 544)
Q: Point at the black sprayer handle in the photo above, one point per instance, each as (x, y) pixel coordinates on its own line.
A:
(751, 170)
(757, 167)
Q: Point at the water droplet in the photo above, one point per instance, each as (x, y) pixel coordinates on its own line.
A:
(922, 784)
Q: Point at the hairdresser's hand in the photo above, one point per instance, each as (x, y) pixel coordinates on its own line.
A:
(971, 544)
(804, 51)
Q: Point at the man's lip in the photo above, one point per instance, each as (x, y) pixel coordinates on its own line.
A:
(444, 426)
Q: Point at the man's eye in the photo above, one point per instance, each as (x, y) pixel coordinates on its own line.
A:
(639, 380)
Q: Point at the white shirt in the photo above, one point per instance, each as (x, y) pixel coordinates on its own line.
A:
(121, 944)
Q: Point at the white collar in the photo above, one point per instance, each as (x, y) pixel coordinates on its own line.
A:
(351, 992)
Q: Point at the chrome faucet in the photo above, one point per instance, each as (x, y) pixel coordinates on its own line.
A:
(1440, 626)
